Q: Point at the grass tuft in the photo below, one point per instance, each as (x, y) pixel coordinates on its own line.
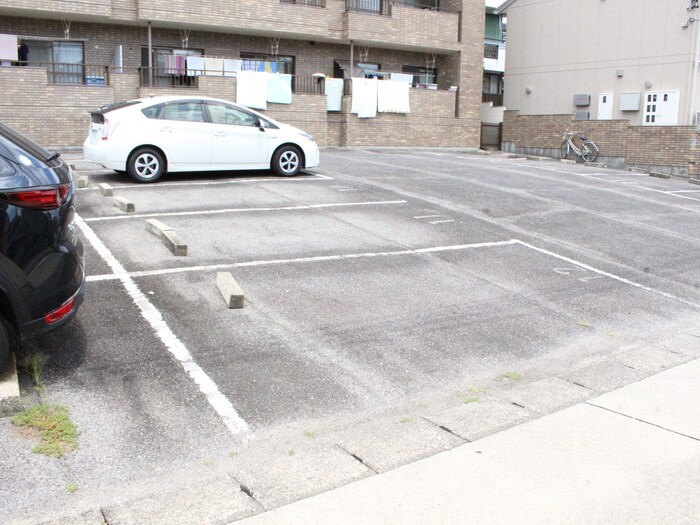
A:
(515, 376)
(57, 433)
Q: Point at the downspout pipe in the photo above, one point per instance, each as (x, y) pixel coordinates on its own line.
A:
(694, 79)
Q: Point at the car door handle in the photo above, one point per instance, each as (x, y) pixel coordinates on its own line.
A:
(166, 130)
(220, 134)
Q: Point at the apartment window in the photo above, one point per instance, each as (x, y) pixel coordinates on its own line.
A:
(421, 75)
(64, 59)
(491, 51)
(268, 63)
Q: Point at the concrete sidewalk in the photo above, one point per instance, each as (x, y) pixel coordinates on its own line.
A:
(629, 456)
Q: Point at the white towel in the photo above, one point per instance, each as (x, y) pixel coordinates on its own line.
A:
(334, 94)
(402, 77)
(195, 66)
(392, 97)
(214, 66)
(279, 88)
(364, 97)
(251, 89)
(231, 65)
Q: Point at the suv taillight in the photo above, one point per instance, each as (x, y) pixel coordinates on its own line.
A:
(38, 198)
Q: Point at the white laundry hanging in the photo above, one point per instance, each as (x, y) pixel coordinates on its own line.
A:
(364, 97)
(251, 89)
(334, 94)
(392, 97)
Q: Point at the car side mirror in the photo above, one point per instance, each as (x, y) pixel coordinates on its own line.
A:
(260, 124)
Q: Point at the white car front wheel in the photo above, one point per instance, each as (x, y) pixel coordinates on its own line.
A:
(287, 161)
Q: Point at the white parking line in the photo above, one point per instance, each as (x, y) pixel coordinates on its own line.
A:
(150, 313)
(607, 274)
(418, 251)
(165, 184)
(320, 258)
(242, 210)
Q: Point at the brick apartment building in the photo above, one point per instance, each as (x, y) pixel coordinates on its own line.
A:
(65, 57)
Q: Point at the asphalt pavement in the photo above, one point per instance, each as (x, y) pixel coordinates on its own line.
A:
(400, 305)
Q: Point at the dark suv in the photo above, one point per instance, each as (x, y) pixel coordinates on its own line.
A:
(41, 258)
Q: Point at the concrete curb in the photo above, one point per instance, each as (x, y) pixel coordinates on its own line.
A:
(567, 161)
(173, 242)
(659, 175)
(124, 204)
(9, 382)
(694, 181)
(231, 292)
(106, 189)
(83, 182)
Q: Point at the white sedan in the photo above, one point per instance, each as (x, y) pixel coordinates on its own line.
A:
(148, 137)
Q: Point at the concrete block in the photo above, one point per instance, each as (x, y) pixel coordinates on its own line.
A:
(9, 384)
(567, 161)
(232, 293)
(106, 189)
(173, 242)
(157, 227)
(694, 181)
(659, 175)
(83, 182)
(124, 204)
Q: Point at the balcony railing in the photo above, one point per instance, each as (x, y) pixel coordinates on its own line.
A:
(496, 98)
(80, 74)
(312, 3)
(377, 7)
(491, 51)
(165, 78)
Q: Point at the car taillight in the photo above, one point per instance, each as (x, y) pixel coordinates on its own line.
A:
(105, 130)
(61, 312)
(39, 198)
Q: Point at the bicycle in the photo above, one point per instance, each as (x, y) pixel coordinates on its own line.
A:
(588, 152)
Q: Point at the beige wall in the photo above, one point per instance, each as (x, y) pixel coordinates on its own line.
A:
(560, 48)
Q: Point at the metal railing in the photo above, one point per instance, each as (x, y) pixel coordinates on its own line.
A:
(378, 7)
(312, 3)
(80, 74)
(496, 98)
(491, 51)
(430, 5)
(168, 77)
(189, 79)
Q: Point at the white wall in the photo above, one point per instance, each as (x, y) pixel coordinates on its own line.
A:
(559, 48)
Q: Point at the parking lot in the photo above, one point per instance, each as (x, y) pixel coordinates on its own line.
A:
(397, 303)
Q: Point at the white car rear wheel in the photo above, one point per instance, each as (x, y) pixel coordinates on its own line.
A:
(145, 165)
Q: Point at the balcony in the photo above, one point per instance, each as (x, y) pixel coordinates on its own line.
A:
(310, 3)
(96, 8)
(495, 98)
(416, 25)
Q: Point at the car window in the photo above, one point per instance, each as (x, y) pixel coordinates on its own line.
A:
(223, 114)
(152, 111)
(187, 111)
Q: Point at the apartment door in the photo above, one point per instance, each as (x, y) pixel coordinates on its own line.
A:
(661, 108)
(605, 106)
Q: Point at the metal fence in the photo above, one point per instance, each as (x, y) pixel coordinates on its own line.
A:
(82, 74)
(379, 7)
(313, 3)
(167, 78)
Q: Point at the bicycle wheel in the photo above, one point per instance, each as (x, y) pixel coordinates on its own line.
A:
(589, 151)
(565, 149)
